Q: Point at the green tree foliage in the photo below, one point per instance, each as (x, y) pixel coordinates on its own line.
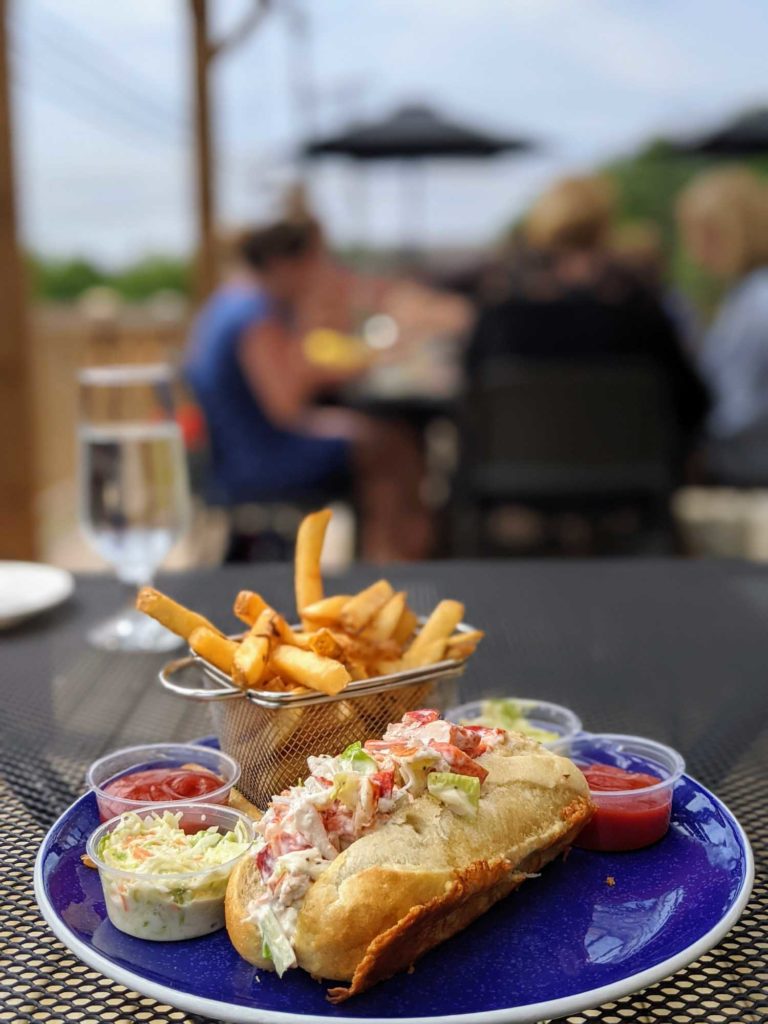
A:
(648, 184)
(63, 280)
(155, 273)
(54, 280)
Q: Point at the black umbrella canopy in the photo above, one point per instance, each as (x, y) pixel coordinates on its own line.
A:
(745, 135)
(410, 133)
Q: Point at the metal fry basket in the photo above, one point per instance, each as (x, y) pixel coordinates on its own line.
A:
(271, 735)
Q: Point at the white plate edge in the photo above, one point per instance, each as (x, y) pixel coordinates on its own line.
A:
(66, 579)
(532, 1013)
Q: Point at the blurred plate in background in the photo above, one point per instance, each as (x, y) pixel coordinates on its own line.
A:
(28, 588)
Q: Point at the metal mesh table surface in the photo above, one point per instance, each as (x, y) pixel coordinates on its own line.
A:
(673, 650)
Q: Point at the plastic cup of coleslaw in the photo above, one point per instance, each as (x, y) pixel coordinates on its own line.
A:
(164, 869)
(545, 721)
(121, 772)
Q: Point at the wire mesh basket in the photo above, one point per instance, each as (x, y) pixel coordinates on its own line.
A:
(271, 735)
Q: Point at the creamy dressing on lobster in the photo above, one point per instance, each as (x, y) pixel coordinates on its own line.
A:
(307, 826)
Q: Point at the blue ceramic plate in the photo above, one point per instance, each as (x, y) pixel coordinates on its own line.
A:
(565, 942)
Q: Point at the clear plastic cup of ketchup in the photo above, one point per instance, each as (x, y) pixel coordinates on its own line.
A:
(631, 782)
(139, 777)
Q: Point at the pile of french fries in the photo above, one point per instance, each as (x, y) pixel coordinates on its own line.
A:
(342, 638)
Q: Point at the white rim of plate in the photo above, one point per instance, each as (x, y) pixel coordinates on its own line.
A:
(36, 606)
(532, 1013)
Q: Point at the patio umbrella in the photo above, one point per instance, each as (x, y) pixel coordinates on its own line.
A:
(745, 135)
(412, 135)
(413, 132)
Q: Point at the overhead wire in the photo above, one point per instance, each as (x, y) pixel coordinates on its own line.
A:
(69, 72)
(74, 42)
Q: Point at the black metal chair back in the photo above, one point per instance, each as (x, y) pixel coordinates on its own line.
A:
(576, 435)
(569, 428)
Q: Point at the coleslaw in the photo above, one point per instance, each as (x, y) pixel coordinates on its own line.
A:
(163, 882)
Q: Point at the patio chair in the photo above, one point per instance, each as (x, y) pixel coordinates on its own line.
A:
(554, 436)
(262, 530)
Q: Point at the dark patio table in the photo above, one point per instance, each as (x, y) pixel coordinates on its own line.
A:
(673, 650)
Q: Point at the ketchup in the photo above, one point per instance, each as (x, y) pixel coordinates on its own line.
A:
(158, 785)
(624, 823)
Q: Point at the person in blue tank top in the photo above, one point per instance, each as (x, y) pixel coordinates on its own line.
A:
(246, 368)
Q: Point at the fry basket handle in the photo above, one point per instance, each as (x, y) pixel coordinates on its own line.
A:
(173, 668)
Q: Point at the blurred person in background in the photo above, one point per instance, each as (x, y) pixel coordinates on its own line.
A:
(639, 249)
(571, 298)
(723, 219)
(246, 365)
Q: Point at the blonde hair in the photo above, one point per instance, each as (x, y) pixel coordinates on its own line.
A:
(732, 206)
(575, 213)
(638, 246)
(638, 239)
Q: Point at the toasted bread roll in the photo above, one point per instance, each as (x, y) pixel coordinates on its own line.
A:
(244, 884)
(425, 873)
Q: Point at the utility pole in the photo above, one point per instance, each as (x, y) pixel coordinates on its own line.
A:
(205, 51)
(301, 83)
(17, 475)
(205, 277)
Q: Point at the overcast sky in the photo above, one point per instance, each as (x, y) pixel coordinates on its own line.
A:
(102, 106)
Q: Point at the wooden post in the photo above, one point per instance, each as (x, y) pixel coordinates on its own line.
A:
(17, 478)
(301, 83)
(205, 51)
(204, 170)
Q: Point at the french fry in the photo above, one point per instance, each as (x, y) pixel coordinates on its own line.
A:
(385, 621)
(438, 627)
(309, 545)
(214, 647)
(310, 669)
(284, 631)
(239, 802)
(252, 655)
(366, 663)
(473, 636)
(248, 603)
(357, 669)
(460, 652)
(385, 667)
(327, 611)
(278, 685)
(461, 645)
(341, 637)
(405, 627)
(360, 609)
(425, 654)
(302, 639)
(359, 648)
(248, 606)
(174, 616)
(275, 684)
(324, 643)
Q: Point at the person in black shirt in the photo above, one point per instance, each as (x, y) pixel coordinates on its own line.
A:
(570, 299)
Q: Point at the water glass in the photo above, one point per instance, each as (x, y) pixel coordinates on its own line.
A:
(134, 491)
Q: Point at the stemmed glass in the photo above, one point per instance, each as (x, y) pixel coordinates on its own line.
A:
(134, 491)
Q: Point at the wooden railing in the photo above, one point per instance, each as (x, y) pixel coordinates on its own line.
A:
(63, 340)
